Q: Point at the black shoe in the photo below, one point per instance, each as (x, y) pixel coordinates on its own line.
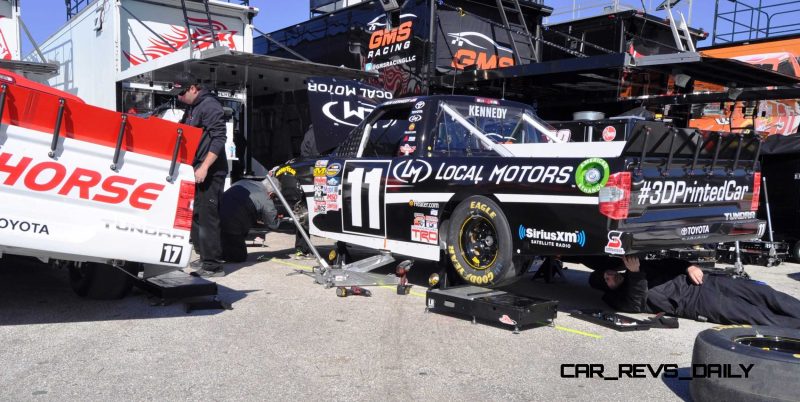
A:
(196, 264)
(203, 273)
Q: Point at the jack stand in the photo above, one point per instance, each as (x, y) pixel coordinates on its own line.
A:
(737, 270)
(551, 267)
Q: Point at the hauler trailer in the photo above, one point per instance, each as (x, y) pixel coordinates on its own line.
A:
(123, 55)
(103, 193)
(10, 40)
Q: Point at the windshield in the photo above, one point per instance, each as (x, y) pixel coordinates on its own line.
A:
(461, 124)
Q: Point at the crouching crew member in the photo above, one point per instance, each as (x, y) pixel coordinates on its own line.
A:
(246, 204)
(678, 288)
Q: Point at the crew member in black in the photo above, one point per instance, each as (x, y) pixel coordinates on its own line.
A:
(244, 205)
(678, 288)
(210, 169)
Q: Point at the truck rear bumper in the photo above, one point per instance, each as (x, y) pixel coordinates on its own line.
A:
(649, 238)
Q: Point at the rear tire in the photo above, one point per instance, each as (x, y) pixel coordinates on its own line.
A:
(479, 243)
(101, 281)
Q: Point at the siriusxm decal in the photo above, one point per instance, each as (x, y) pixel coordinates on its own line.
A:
(552, 238)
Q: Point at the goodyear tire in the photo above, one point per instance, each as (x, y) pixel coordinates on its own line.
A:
(774, 353)
(479, 243)
(101, 281)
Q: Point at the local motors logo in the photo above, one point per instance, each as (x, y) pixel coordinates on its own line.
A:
(343, 112)
(552, 238)
(412, 171)
(695, 230)
(479, 52)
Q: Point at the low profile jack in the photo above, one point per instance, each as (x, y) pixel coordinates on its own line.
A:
(342, 275)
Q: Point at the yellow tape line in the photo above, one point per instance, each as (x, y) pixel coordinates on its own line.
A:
(575, 331)
(290, 264)
(412, 293)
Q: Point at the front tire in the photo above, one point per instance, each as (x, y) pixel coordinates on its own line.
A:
(479, 243)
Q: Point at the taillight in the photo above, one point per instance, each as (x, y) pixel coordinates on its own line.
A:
(183, 212)
(615, 197)
(756, 191)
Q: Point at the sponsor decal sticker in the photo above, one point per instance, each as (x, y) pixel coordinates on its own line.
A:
(333, 169)
(695, 230)
(614, 245)
(505, 319)
(419, 105)
(332, 181)
(552, 238)
(592, 175)
(407, 149)
(321, 163)
(18, 225)
(488, 111)
(412, 127)
(171, 253)
(683, 192)
(483, 51)
(414, 118)
(735, 216)
(285, 170)
(609, 133)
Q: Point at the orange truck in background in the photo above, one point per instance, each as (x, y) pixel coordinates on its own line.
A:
(765, 116)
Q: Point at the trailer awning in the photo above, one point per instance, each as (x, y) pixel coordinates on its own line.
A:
(224, 68)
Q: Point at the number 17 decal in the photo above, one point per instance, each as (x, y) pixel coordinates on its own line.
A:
(363, 195)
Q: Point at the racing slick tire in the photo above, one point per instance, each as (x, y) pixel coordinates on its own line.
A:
(101, 281)
(774, 353)
(479, 243)
(796, 251)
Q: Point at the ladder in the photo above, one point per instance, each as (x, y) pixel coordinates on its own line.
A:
(518, 33)
(680, 31)
(208, 25)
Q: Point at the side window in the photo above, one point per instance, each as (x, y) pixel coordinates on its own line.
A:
(785, 67)
(452, 138)
(387, 133)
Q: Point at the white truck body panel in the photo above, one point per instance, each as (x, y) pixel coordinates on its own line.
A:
(48, 224)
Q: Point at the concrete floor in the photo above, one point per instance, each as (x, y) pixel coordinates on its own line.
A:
(289, 339)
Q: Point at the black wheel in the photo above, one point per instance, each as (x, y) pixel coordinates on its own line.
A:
(479, 243)
(796, 251)
(101, 281)
(773, 352)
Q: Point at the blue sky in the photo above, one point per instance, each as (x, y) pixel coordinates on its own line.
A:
(44, 17)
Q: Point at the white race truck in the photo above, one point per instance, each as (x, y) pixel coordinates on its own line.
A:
(102, 193)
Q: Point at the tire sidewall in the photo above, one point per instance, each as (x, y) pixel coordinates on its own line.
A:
(503, 266)
(773, 375)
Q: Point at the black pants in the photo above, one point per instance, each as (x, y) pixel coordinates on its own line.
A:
(205, 222)
(237, 215)
(740, 301)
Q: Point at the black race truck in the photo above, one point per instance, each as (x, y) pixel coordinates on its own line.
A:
(487, 185)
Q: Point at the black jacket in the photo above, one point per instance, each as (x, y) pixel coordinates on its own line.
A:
(207, 113)
(659, 286)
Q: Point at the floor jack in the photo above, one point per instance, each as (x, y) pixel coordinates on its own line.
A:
(354, 275)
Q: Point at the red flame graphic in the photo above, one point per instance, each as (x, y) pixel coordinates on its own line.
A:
(178, 37)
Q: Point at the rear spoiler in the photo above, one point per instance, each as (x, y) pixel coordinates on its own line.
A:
(691, 149)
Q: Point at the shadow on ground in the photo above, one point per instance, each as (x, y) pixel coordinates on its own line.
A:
(32, 292)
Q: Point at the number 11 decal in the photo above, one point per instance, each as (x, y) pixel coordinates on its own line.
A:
(363, 197)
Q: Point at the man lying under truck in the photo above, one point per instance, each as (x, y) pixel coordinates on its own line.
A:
(678, 288)
(244, 205)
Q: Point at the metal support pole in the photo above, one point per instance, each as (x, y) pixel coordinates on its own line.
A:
(297, 223)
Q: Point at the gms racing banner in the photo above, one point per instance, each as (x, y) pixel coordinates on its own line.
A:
(338, 106)
(465, 41)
